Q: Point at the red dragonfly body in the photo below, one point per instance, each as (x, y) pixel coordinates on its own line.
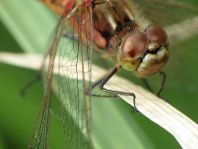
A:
(138, 48)
(114, 29)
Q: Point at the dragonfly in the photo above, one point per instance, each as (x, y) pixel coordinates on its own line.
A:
(112, 28)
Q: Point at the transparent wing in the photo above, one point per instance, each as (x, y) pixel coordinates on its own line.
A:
(168, 12)
(74, 65)
(70, 54)
(40, 131)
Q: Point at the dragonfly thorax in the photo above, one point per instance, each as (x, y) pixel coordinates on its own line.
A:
(144, 53)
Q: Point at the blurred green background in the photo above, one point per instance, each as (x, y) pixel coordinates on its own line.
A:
(27, 26)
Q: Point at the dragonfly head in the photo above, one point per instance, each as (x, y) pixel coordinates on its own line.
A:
(145, 53)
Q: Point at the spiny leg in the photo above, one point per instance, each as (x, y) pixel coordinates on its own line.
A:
(102, 81)
(98, 2)
(163, 74)
(29, 84)
(147, 85)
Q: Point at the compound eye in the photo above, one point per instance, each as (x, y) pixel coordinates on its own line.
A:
(133, 45)
(156, 34)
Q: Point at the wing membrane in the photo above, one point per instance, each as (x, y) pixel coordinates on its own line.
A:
(75, 59)
(71, 50)
(169, 12)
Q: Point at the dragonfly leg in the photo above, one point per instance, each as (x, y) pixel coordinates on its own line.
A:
(130, 24)
(29, 84)
(70, 36)
(147, 85)
(101, 82)
(98, 2)
(163, 74)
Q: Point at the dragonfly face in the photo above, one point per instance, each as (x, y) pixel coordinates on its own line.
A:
(145, 53)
